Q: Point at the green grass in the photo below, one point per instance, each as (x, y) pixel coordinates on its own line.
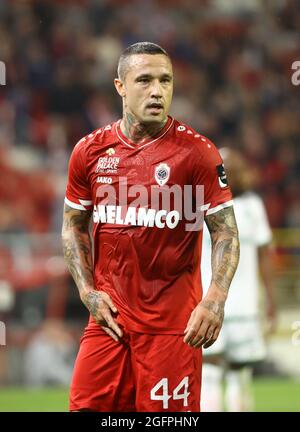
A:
(277, 395)
(20, 399)
(270, 395)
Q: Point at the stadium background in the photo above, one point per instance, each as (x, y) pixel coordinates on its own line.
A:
(233, 68)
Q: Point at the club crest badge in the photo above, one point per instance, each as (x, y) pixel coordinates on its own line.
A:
(162, 173)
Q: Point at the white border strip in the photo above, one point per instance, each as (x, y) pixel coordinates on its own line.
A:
(219, 207)
(204, 207)
(73, 205)
(85, 202)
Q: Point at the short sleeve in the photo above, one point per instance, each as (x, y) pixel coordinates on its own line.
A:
(78, 193)
(210, 173)
(262, 232)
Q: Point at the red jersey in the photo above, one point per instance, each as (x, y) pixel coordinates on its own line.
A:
(146, 255)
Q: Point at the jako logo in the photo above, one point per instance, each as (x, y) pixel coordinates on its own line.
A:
(2, 73)
(104, 180)
(296, 74)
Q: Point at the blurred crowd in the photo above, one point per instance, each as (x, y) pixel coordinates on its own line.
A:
(233, 67)
(232, 64)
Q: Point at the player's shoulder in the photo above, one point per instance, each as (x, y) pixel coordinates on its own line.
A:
(251, 197)
(252, 201)
(199, 144)
(99, 136)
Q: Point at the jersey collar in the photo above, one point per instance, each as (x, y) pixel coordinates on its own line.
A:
(133, 145)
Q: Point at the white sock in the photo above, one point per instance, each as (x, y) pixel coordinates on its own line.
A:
(238, 392)
(211, 391)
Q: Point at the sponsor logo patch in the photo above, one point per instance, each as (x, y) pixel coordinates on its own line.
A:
(135, 216)
(110, 151)
(222, 176)
(107, 164)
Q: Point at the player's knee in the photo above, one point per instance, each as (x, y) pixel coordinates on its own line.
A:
(216, 360)
(241, 365)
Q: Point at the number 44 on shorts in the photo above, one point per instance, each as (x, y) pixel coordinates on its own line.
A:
(184, 383)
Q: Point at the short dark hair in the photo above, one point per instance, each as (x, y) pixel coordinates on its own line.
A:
(138, 48)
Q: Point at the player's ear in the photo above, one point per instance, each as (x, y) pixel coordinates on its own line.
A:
(120, 87)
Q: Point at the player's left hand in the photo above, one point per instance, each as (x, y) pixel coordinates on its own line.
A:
(271, 317)
(205, 323)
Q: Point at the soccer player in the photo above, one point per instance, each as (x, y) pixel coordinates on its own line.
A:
(144, 178)
(241, 342)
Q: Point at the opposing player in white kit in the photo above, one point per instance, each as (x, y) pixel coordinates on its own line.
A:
(241, 341)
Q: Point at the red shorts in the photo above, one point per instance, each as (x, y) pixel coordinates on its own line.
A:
(146, 372)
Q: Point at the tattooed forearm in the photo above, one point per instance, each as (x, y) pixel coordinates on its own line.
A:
(92, 299)
(225, 247)
(77, 247)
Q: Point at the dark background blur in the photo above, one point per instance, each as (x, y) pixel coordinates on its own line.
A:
(233, 67)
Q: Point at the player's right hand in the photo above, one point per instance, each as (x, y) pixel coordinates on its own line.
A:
(101, 307)
(205, 323)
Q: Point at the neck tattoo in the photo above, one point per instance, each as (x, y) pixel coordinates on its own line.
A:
(139, 132)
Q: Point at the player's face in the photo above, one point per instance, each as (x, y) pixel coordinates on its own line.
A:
(148, 87)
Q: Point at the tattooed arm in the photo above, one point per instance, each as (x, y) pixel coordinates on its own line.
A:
(206, 319)
(78, 257)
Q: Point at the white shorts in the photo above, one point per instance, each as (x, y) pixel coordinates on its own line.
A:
(240, 341)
